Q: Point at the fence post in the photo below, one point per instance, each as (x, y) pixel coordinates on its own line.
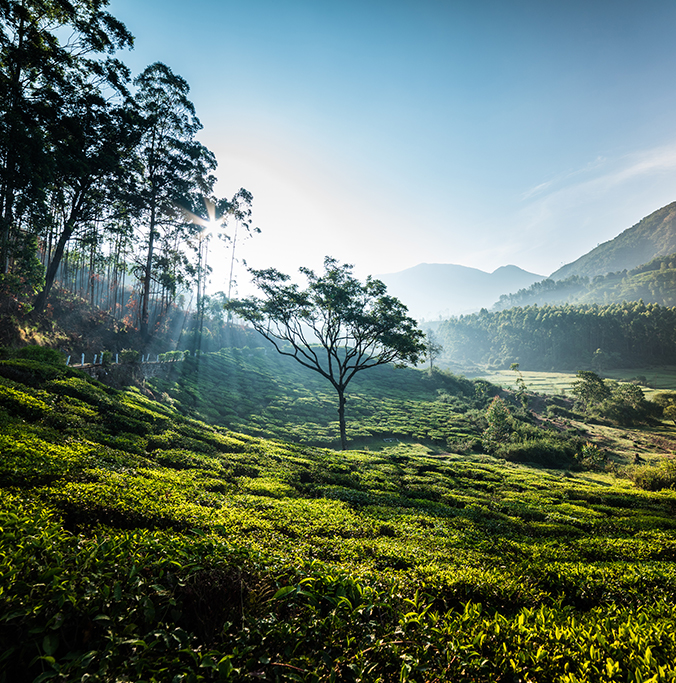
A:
(94, 361)
(116, 360)
(68, 361)
(82, 361)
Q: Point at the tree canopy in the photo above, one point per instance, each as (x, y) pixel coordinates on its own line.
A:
(96, 168)
(336, 326)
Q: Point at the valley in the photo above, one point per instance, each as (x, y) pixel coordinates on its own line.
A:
(222, 461)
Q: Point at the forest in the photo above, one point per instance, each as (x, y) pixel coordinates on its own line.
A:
(563, 337)
(653, 282)
(105, 188)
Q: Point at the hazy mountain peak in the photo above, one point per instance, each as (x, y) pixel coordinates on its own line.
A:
(433, 290)
(654, 235)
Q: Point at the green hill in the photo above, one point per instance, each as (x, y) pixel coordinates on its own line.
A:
(140, 545)
(653, 282)
(564, 337)
(260, 392)
(653, 236)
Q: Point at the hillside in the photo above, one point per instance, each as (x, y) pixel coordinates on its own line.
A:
(139, 545)
(653, 283)
(433, 290)
(563, 337)
(653, 236)
(260, 392)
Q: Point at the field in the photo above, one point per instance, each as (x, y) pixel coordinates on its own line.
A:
(141, 545)
(655, 378)
(540, 382)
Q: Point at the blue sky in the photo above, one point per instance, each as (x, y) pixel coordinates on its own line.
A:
(390, 133)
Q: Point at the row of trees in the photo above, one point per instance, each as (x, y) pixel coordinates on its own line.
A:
(102, 179)
(653, 282)
(563, 337)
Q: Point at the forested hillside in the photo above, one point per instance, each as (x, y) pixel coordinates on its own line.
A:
(564, 337)
(105, 188)
(653, 282)
(651, 237)
(138, 545)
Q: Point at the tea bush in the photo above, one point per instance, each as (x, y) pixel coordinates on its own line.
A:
(180, 551)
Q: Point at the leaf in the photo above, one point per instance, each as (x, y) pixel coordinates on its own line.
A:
(283, 592)
(50, 643)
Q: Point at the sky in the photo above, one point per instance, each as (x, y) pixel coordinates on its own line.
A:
(388, 133)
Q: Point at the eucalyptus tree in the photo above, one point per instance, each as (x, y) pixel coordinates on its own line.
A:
(43, 43)
(92, 143)
(336, 326)
(211, 217)
(175, 167)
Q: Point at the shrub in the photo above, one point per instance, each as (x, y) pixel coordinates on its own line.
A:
(664, 398)
(42, 354)
(129, 356)
(542, 451)
(656, 478)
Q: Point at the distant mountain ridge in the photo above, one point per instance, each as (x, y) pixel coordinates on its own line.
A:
(653, 236)
(653, 283)
(433, 290)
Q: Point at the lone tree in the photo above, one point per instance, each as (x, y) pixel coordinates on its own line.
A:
(336, 326)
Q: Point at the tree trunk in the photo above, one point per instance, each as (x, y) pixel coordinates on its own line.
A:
(10, 169)
(146, 277)
(341, 417)
(41, 298)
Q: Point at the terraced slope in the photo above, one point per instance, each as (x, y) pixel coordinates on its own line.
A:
(139, 545)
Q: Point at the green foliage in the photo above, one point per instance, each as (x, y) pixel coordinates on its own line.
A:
(656, 478)
(254, 390)
(589, 388)
(563, 336)
(337, 326)
(623, 404)
(129, 356)
(186, 552)
(499, 424)
(43, 354)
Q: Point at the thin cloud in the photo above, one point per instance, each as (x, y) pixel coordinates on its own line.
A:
(623, 169)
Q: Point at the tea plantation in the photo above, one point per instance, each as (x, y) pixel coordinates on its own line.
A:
(141, 545)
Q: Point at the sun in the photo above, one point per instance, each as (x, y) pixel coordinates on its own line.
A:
(207, 225)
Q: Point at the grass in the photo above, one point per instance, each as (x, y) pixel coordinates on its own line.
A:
(540, 382)
(140, 545)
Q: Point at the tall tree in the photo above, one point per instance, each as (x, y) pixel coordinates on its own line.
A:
(175, 166)
(42, 43)
(336, 326)
(432, 348)
(92, 146)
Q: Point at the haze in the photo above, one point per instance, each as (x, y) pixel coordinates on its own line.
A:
(389, 134)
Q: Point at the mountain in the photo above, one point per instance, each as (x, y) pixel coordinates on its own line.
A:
(653, 283)
(651, 237)
(431, 290)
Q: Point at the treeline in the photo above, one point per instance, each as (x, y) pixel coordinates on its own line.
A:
(104, 185)
(563, 337)
(652, 282)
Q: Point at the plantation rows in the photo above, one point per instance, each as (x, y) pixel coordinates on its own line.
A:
(140, 545)
(259, 392)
